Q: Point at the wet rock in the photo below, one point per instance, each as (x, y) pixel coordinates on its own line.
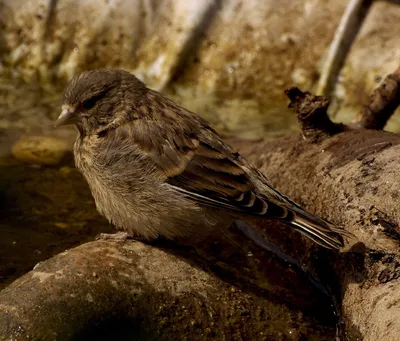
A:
(66, 171)
(40, 150)
(108, 290)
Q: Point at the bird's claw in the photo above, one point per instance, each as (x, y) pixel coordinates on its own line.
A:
(118, 236)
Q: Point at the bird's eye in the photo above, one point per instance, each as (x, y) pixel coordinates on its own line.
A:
(90, 103)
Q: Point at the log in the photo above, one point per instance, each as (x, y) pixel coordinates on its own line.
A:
(382, 103)
(349, 176)
(352, 180)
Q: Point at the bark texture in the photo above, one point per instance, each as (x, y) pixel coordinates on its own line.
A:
(352, 180)
(382, 103)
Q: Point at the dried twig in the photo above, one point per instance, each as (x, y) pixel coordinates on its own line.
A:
(382, 103)
(349, 25)
(312, 115)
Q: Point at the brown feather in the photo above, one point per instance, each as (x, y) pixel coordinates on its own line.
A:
(140, 151)
(194, 158)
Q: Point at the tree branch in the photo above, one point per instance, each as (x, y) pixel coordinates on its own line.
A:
(312, 115)
(383, 102)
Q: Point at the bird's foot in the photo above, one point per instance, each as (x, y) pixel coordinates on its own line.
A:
(121, 237)
(118, 236)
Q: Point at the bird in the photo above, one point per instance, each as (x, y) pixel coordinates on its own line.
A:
(156, 169)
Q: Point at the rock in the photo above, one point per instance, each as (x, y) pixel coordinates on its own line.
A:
(110, 290)
(66, 171)
(41, 150)
(61, 225)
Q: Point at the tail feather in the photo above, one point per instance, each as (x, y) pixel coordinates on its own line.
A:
(317, 229)
(323, 235)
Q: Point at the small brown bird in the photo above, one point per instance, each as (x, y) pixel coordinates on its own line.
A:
(157, 169)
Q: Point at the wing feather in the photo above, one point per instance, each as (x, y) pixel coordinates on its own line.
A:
(196, 161)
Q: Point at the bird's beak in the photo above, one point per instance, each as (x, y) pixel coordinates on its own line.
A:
(67, 116)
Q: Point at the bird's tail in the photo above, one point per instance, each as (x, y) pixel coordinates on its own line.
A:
(318, 230)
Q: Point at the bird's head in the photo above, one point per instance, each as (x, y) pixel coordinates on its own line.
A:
(97, 99)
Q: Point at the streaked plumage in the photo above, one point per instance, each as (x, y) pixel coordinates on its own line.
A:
(155, 168)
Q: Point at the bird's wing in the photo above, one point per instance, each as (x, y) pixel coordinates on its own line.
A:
(192, 158)
(196, 161)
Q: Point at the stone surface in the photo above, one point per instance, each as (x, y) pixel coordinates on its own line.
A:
(40, 150)
(131, 291)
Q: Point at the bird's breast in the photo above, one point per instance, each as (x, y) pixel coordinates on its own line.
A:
(83, 154)
(130, 192)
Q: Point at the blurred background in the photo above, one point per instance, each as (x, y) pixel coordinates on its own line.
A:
(228, 60)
